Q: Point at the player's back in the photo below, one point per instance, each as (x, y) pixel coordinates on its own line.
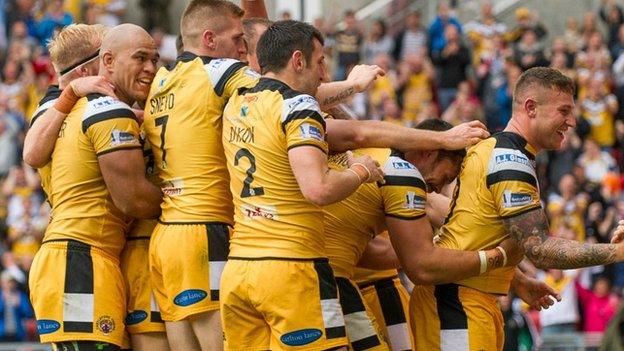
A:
(351, 223)
(45, 103)
(82, 205)
(272, 217)
(497, 181)
(183, 125)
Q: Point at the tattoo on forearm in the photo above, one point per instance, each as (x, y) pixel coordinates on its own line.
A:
(530, 231)
(495, 261)
(330, 100)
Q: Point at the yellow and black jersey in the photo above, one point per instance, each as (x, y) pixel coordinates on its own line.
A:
(183, 125)
(497, 181)
(82, 206)
(46, 102)
(260, 125)
(142, 228)
(351, 223)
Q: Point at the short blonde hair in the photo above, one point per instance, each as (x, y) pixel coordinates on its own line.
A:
(74, 43)
(200, 15)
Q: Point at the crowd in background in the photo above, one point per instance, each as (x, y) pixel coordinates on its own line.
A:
(442, 69)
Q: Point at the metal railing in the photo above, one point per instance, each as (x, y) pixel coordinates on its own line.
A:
(570, 341)
(24, 346)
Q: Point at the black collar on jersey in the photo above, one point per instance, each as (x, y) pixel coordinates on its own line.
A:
(513, 140)
(397, 153)
(83, 61)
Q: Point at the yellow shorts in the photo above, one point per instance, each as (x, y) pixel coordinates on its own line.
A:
(186, 261)
(280, 305)
(143, 315)
(452, 317)
(389, 302)
(78, 293)
(362, 329)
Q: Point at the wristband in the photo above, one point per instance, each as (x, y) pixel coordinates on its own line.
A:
(356, 174)
(482, 262)
(502, 251)
(368, 173)
(67, 100)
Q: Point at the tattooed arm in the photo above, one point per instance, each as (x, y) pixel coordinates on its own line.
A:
(360, 79)
(530, 231)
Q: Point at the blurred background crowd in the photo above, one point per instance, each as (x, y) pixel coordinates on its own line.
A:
(436, 67)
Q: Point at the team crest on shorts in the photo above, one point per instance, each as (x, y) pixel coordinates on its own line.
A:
(105, 324)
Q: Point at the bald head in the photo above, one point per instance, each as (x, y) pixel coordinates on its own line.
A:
(128, 58)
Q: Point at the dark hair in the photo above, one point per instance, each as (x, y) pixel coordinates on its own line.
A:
(382, 25)
(281, 40)
(438, 125)
(544, 77)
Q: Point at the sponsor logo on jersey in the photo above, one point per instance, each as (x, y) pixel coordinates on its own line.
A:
(173, 187)
(303, 99)
(119, 137)
(511, 199)
(259, 212)
(414, 202)
(136, 317)
(189, 297)
(309, 131)
(104, 101)
(244, 110)
(47, 326)
(301, 337)
(105, 324)
(402, 165)
(512, 158)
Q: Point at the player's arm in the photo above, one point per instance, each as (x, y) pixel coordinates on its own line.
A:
(254, 8)
(46, 123)
(322, 185)
(345, 135)
(124, 174)
(359, 79)
(529, 230)
(535, 293)
(437, 207)
(427, 264)
(379, 254)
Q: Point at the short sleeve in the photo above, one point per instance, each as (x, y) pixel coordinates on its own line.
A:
(110, 126)
(404, 192)
(512, 181)
(303, 124)
(228, 75)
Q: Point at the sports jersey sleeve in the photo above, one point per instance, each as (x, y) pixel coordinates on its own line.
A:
(302, 123)
(228, 75)
(404, 191)
(512, 180)
(46, 102)
(111, 126)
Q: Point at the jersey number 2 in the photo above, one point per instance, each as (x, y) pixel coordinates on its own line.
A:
(247, 189)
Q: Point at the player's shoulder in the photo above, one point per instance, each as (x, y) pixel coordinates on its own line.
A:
(220, 70)
(47, 101)
(101, 108)
(399, 171)
(510, 157)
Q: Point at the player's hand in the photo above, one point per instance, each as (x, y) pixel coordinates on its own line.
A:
(514, 252)
(373, 172)
(363, 76)
(93, 84)
(536, 294)
(618, 233)
(464, 135)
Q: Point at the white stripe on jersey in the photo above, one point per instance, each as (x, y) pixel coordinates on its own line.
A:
(503, 159)
(216, 68)
(396, 166)
(299, 103)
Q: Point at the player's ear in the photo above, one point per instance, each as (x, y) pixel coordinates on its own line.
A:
(108, 60)
(208, 39)
(530, 107)
(298, 61)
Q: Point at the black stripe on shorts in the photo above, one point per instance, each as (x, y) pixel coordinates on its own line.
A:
(450, 309)
(78, 280)
(390, 302)
(218, 248)
(328, 291)
(351, 302)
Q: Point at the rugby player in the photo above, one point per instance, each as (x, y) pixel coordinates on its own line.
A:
(497, 197)
(277, 159)
(97, 182)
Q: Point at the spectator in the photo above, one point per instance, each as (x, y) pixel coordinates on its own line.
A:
(156, 14)
(437, 29)
(416, 76)
(378, 42)
(111, 12)
(599, 304)
(598, 108)
(595, 162)
(410, 40)
(481, 34)
(9, 131)
(348, 45)
(383, 88)
(561, 162)
(451, 62)
(530, 52)
(567, 208)
(589, 27)
(526, 20)
(466, 106)
(15, 308)
(563, 316)
(53, 19)
(612, 15)
(503, 98)
(572, 35)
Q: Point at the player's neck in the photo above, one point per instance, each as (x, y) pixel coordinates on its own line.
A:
(285, 77)
(514, 126)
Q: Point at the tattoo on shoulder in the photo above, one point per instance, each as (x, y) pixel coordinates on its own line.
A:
(530, 231)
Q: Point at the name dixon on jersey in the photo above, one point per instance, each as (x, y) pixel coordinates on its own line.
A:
(242, 135)
(161, 103)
